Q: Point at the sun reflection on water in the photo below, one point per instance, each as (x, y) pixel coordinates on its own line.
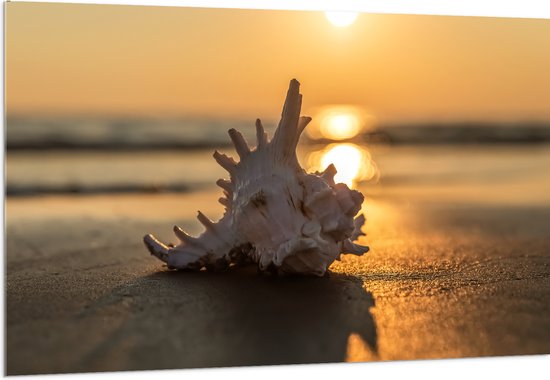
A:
(339, 122)
(353, 163)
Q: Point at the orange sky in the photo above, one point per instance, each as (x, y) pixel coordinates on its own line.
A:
(169, 61)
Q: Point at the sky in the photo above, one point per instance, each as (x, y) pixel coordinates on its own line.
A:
(105, 60)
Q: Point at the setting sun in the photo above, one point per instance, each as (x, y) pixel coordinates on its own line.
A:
(339, 122)
(341, 18)
(340, 126)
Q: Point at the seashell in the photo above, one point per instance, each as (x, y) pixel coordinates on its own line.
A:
(276, 215)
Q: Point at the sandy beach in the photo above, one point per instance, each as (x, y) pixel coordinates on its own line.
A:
(446, 278)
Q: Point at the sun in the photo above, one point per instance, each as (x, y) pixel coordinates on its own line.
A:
(340, 125)
(341, 18)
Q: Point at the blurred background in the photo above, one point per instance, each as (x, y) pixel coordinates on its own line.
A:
(127, 99)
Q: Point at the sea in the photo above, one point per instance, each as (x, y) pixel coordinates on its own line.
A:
(90, 155)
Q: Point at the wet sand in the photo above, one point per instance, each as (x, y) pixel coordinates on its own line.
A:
(447, 277)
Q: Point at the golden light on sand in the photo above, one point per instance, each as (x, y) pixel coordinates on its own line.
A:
(353, 163)
(358, 350)
(341, 18)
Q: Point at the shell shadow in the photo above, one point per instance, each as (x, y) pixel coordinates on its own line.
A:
(241, 318)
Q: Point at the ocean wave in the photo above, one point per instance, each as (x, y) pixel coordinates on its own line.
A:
(23, 133)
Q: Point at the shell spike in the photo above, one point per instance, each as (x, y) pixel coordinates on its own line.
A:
(359, 221)
(329, 173)
(354, 249)
(225, 162)
(261, 135)
(225, 202)
(207, 223)
(183, 236)
(302, 123)
(357, 224)
(156, 248)
(239, 142)
(225, 184)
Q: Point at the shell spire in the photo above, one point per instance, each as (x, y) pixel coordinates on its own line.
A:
(276, 215)
(290, 127)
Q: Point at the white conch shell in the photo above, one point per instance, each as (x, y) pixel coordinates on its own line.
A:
(277, 215)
